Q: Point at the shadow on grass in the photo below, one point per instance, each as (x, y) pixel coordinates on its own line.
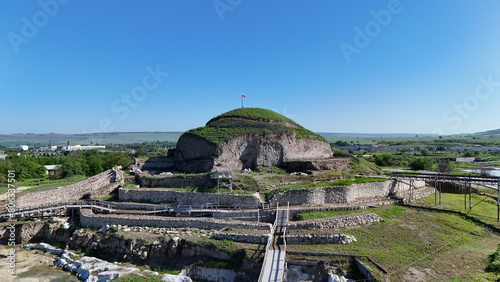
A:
(490, 226)
(259, 252)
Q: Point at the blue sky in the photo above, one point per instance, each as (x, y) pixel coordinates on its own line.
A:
(333, 66)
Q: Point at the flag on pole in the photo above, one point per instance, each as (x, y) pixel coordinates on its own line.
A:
(242, 96)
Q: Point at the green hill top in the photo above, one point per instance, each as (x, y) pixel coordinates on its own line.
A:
(250, 121)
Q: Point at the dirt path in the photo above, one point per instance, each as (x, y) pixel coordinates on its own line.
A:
(31, 266)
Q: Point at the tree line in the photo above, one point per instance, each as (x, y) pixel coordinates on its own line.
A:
(86, 163)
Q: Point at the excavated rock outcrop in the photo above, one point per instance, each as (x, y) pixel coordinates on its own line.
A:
(247, 138)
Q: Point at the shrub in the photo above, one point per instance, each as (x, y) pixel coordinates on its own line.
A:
(494, 261)
(340, 153)
(384, 160)
(420, 164)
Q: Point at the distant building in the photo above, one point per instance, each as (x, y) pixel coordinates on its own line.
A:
(379, 147)
(24, 147)
(3, 155)
(52, 169)
(48, 148)
(79, 148)
(463, 160)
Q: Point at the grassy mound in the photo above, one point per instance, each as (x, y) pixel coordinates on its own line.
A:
(253, 114)
(250, 121)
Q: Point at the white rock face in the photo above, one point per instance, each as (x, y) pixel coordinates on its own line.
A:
(250, 151)
(247, 151)
(335, 278)
(175, 278)
(84, 267)
(295, 273)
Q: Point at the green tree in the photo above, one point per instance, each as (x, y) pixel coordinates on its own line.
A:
(384, 160)
(95, 165)
(420, 164)
(444, 165)
(112, 159)
(71, 167)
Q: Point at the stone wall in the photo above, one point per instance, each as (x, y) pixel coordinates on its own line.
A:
(88, 218)
(341, 194)
(243, 238)
(294, 239)
(336, 221)
(97, 185)
(339, 164)
(307, 239)
(365, 270)
(152, 163)
(217, 274)
(188, 198)
(203, 181)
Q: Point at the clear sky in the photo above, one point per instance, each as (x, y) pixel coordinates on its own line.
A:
(424, 66)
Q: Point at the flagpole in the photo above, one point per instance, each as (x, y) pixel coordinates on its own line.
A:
(242, 101)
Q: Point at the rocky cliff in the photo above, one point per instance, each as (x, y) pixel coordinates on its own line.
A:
(247, 138)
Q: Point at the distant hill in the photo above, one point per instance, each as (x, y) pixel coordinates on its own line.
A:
(12, 140)
(494, 132)
(39, 139)
(86, 139)
(373, 135)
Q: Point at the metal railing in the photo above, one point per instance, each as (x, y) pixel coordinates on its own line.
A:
(269, 241)
(281, 220)
(61, 205)
(446, 177)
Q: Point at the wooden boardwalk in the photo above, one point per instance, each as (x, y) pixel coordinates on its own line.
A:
(274, 264)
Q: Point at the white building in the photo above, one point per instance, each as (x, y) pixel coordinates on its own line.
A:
(79, 148)
(24, 147)
(48, 148)
(52, 169)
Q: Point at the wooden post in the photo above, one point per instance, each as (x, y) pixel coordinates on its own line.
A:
(435, 191)
(440, 191)
(218, 191)
(470, 195)
(411, 191)
(465, 194)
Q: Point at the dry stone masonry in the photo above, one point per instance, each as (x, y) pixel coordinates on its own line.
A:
(337, 238)
(174, 181)
(100, 184)
(243, 238)
(336, 221)
(341, 194)
(188, 198)
(88, 218)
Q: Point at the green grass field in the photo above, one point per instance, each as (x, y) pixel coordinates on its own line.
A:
(447, 242)
(464, 140)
